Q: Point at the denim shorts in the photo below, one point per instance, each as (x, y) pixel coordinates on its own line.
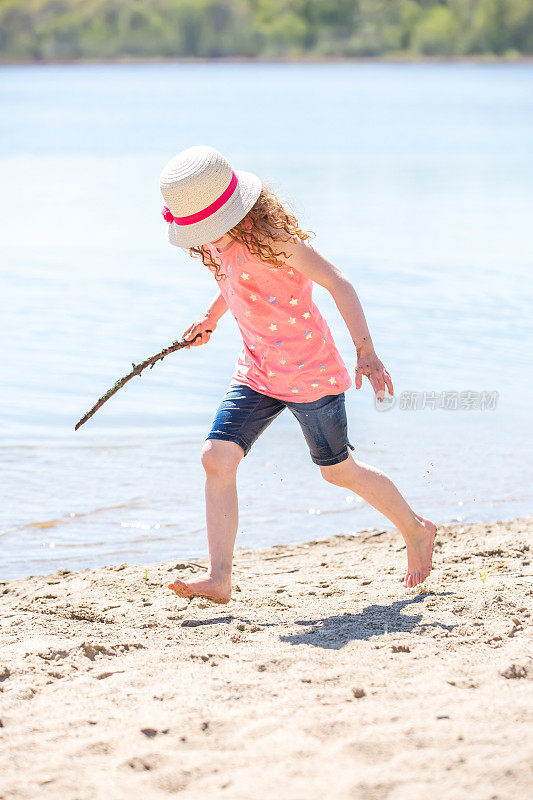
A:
(244, 414)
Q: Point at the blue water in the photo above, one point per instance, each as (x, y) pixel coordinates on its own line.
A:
(418, 182)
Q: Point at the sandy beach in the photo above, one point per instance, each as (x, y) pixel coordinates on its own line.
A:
(322, 678)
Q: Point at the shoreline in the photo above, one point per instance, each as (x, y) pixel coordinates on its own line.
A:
(393, 59)
(322, 670)
(64, 567)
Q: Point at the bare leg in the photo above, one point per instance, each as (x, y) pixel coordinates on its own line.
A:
(220, 460)
(377, 489)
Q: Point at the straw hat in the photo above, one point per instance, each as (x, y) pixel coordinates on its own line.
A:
(204, 196)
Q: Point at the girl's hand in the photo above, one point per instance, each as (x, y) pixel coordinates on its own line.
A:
(369, 364)
(205, 326)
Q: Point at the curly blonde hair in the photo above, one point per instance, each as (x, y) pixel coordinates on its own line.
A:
(267, 222)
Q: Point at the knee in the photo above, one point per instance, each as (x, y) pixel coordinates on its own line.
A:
(336, 474)
(220, 457)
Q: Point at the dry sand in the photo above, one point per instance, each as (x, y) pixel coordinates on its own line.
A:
(323, 678)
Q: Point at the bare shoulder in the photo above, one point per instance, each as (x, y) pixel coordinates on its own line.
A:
(302, 256)
(293, 245)
(291, 248)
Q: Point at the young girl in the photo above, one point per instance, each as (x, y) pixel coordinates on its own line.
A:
(265, 270)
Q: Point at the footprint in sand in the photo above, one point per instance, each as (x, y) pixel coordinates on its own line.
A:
(515, 671)
(92, 650)
(53, 655)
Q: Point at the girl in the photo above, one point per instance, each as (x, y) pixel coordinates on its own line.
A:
(265, 270)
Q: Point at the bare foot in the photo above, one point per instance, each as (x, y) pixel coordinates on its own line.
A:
(215, 590)
(419, 551)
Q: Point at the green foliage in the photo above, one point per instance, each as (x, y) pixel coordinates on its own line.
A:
(436, 33)
(47, 30)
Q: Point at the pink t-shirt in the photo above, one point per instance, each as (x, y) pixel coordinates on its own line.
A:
(288, 351)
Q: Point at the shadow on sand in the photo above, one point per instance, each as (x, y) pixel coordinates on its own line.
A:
(333, 633)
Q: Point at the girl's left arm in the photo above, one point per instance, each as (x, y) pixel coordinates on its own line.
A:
(303, 257)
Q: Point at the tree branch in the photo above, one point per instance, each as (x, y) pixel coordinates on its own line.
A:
(137, 369)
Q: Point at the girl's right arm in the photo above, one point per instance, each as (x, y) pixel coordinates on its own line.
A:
(207, 322)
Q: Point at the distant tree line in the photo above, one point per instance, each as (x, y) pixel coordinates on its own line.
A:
(46, 30)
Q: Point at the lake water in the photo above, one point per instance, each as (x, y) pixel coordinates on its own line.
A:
(418, 182)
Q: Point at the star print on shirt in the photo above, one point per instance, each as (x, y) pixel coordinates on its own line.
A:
(301, 364)
(290, 272)
(270, 373)
(282, 361)
(253, 297)
(259, 338)
(240, 259)
(271, 299)
(247, 313)
(293, 301)
(273, 327)
(245, 276)
(308, 335)
(306, 315)
(322, 368)
(294, 389)
(292, 320)
(314, 384)
(278, 344)
(332, 380)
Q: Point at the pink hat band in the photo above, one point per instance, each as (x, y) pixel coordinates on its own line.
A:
(205, 212)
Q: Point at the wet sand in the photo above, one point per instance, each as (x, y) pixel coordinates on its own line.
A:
(322, 678)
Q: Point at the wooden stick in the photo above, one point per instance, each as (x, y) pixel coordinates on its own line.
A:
(137, 369)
